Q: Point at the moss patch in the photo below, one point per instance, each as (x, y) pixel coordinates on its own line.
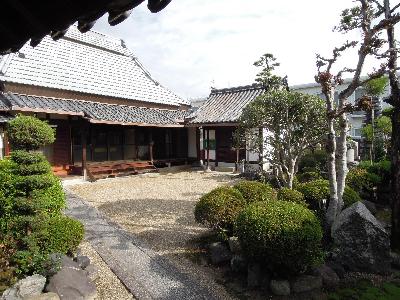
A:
(365, 290)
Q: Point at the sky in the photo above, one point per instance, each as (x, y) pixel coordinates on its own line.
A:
(193, 45)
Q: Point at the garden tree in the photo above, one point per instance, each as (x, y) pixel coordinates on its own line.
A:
(366, 17)
(294, 122)
(394, 100)
(380, 132)
(374, 89)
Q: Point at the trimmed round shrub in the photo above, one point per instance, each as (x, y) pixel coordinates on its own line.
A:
(219, 208)
(254, 191)
(286, 194)
(50, 200)
(362, 181)
(285, 236)
(308, 176)
(29, 133)
(315, 191)
(350, 197)
(58, 234)
(22, 157)
(316, 160)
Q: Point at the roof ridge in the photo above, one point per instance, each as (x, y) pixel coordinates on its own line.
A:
(254, 86)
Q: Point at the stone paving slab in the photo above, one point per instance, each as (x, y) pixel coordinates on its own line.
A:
(146, 274)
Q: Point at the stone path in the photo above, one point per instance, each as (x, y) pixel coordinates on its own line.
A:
(146, 274)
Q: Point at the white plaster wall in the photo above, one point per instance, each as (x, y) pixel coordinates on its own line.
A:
(192, 145)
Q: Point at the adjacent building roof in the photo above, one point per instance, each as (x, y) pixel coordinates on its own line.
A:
(226, 105)
(5, 117)
(95, 112)
(91, 63)
(22, 20)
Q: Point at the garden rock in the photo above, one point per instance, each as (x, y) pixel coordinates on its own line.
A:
(362, 243)
(219, 253)
(395, 259)
(329, 277)
(371, 206)
(280, 287)
(82, 261)
(337, 268)
(92, 272)
(45, 296)
(29, 286)
(234, 245)
(253, 275)
(306, 283)
(238, 263)
(60, 261)
(70, 283)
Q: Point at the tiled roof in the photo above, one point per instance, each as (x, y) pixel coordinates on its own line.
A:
(226, 105)
(94, 111)
(90, 63)
(5, 117)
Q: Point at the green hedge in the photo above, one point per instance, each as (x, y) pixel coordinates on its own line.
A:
(219, 208)
(285, 236)
(29, 133)
(286, 194)
(315, 191)
(308, 176)
(254, 191)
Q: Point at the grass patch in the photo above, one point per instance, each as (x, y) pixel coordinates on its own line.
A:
(364, 290)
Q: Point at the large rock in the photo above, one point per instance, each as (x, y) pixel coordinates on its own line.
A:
(82, 261)
(329, 277)
(254, 275)
(395, 259)
(72, 284)
(362, 243)
(219, 253)
(45, 296)
(280, 287)
(29, 286)
(371, 206)
(306, 283)
(234, 245)
(238, 263)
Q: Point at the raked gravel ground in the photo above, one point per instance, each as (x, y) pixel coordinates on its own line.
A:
(158, 208)
(109, 287)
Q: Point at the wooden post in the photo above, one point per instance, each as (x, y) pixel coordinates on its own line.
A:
(237, 160)
(151, 151)
(208, 148)
(198, 143)
(6, 144)
(83, 142)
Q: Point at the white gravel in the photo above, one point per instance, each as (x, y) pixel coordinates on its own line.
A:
(108, 285)
(158, 208)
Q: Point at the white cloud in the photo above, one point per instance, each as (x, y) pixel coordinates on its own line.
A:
(192, 44)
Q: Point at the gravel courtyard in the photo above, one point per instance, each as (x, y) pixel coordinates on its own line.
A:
(158, 208)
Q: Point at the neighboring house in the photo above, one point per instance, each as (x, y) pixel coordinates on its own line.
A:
(357, 118)
(102, 103)
(217, 119)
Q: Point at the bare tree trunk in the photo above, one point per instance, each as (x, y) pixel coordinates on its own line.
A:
(331, 151)
(395, 153)
(341, 160)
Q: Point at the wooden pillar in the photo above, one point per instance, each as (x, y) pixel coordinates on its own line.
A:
(151, 144)
(6, 144)
(198, 156)
(208, 148)
(83, 142)
(237, 160)
(108, 144)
